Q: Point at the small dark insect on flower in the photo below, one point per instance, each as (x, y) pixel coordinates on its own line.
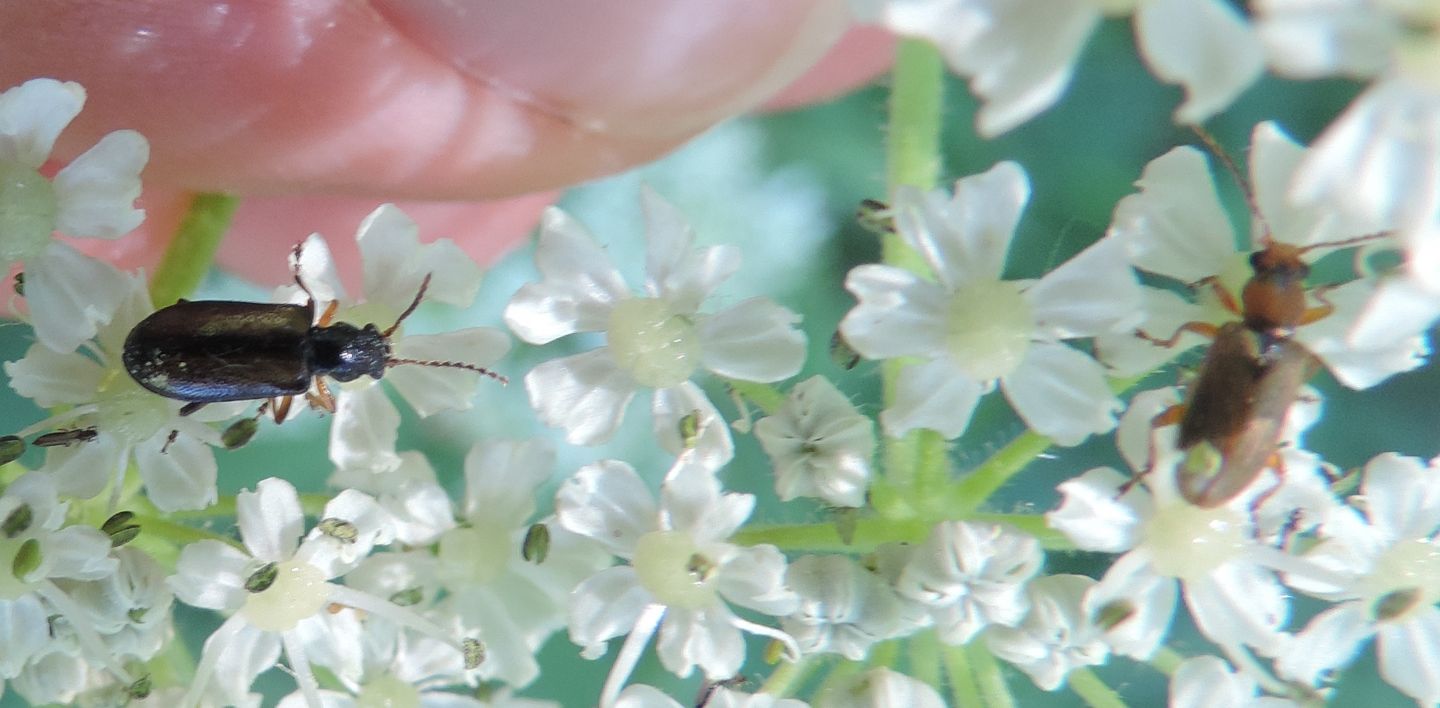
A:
(210, 351)
(66, 437)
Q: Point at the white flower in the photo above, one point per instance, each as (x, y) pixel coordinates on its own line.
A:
(38, 549)
(845, 608)
(1176, 227)
(969, 576)
(395, 266)
(512, 605)
(93, 196)
(1381, 159)
(277, 584)
(130, 422)
(974, 329)
(658, 340)
(1168, 543)
(1057, 635)
(1387, 552)
(1020, 54)
(819, 444)
(880, 687)
(682, 573)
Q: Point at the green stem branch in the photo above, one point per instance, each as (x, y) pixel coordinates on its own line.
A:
(191, 252)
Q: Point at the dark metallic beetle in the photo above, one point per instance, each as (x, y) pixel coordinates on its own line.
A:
(215, 350)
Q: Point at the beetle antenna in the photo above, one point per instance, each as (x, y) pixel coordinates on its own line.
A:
(1347, 242)
(419, 295)
(295, 270)
(1218, 151)
(450, 365)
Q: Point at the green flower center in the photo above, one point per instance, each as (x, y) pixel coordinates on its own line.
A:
(27, 212)
(989, 328)
(477, 554)
(672, 568)
(388, 692)
(1188, 542)
(658, 347)
(298, 591)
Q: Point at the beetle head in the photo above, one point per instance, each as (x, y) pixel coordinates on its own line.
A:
(344, 352)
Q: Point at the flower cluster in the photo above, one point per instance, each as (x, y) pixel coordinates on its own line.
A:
(423, 578)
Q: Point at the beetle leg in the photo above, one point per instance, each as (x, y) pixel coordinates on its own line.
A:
(279, 408)
(295, 270)
(321, 398)
(1204, 329)
(1315, 314)
(328, 314)
(191, 407)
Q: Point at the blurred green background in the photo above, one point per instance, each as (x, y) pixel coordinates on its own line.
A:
(784, 188)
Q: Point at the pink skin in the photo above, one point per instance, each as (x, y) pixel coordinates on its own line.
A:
(468, 114)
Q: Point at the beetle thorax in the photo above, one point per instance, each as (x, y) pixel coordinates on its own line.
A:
(344, 352)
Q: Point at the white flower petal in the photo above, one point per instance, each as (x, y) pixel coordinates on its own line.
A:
(1056, 636)
(1176, 225)
(364, 432)
(32, 116)
(502, 476)
(1061, 392)
(579, 288)
(24, 628)
(270, 519)
(454, 275)
(898, 314)
(1402, 497)
(52, 378)
(881, 687)
(642, 696)
(755, 578)
(431, 389)
(70, 295)
(701, 637)
(1137, 437)
(934, 395)
(82, 471)
(970, 575)
(691, 501)
(1094, 517)
(606, 606)
(1408, 656)
(585, 394)
(756, 340)
(389, 240)
(182, 477)
(1205, 46)
(676, 272)
(965, 237)
(211, 574)
(78, 553)
(1362, 363)
(1394, 319)
(96, 192)
(317, 270)
(1239, 603)
(608, 502)
(1208, 682)
(819, 445)
(1019, 55)
(1383, 140)
(1147, 601)
(712, 445)
(1306, 39)
(1093, 293)
(1331, 640)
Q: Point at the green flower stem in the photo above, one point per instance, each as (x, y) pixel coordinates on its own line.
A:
(913, 159)
(838, 677)
(885, 654)
(1167, 660)
(989, 676)
(154, 528)
(973, 490)
(188, 257)
(925, 657)
(311, 504)
(764, 396)
(1085, 684)
(963, 689)
(871, 532)
(788, 677)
